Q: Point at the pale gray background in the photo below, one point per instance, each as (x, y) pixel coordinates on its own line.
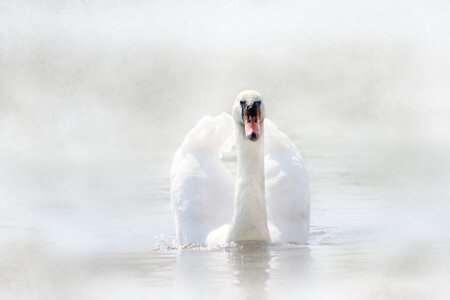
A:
(95, 97)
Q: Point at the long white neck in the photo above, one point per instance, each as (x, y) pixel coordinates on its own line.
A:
(250, 217)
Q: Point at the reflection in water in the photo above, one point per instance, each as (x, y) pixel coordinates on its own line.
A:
(250, 262)
(201, 272)
(290, 267)
(205, 271)
(249, 270)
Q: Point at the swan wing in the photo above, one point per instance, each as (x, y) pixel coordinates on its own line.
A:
(287, 188)
(201, 187)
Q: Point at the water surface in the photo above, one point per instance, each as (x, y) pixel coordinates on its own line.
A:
(105, 230)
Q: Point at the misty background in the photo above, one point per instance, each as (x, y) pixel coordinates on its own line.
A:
(96, 96)
(89, 80)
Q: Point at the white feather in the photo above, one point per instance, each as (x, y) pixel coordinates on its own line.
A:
(202, 189)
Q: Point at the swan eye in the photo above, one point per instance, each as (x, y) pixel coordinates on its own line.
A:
(243, 104)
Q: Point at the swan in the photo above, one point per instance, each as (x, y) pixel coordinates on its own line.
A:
(268, 201)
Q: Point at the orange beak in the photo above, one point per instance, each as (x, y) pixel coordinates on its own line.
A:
(252, 130)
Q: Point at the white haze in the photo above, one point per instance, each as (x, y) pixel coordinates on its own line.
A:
(98, 79)
(95, 96)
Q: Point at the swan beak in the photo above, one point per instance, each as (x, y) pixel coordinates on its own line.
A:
(252, 130)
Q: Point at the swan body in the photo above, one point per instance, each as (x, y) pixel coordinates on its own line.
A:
(268, 201)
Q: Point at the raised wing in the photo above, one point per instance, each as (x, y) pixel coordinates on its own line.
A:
(202, 189)
(287, 188)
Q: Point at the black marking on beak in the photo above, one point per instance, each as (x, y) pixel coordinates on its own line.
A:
(252, 110)
(253, 137)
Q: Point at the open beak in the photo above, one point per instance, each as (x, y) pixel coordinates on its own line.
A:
(251, 121)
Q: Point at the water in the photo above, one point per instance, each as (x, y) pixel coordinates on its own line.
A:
(102, 231)
(95, 97)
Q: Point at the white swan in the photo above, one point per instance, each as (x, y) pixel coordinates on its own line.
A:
(271, 190)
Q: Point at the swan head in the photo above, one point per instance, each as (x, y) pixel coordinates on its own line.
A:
(248, 111)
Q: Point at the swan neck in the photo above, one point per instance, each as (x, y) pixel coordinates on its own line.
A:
(250, 216)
